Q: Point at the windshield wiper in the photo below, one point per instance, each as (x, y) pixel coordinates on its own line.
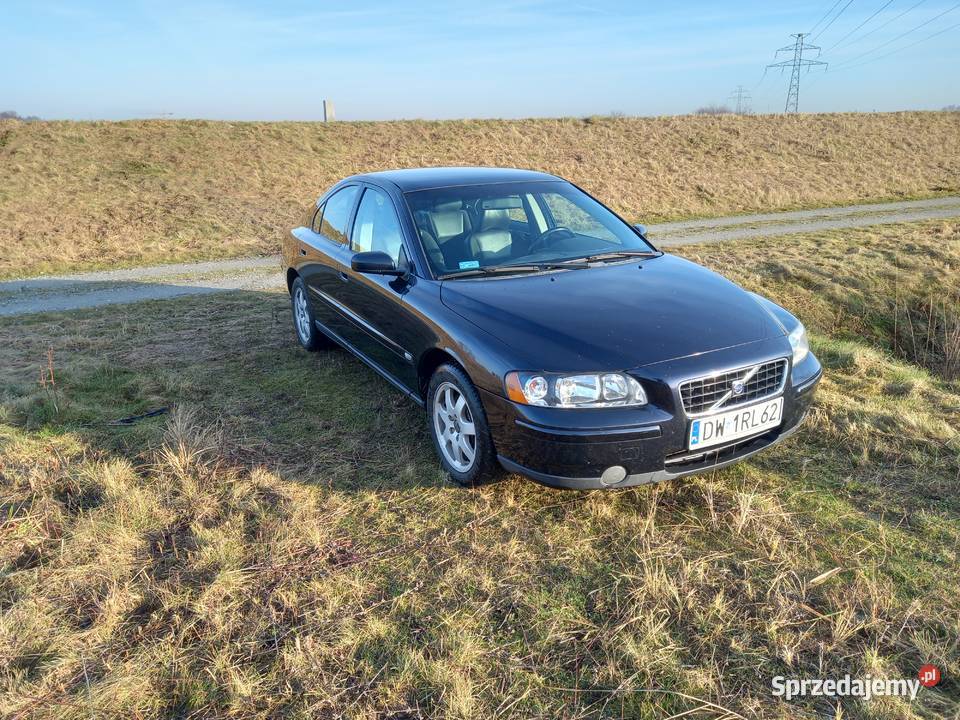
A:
(612, 254)
(518, 268)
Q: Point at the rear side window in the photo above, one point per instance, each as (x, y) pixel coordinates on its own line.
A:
(317, 217)
(336, 213)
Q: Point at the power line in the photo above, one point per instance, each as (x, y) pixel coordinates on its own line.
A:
(797, 62)
(885, 55)
(901, 35)
(882, 8)
(833, 7)
(827, 26)
(883, 25)
(762, 78)
(896, 50)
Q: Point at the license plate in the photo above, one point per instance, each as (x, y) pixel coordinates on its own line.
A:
(735, 424)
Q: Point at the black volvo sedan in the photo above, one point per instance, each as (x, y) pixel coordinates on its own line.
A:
(542, 332)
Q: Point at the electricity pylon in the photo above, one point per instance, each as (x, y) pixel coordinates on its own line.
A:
(742, 96)
(798, 61)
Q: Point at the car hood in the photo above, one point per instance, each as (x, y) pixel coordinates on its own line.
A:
(612, 317)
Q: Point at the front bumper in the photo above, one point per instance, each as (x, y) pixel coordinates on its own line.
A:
(652, 448)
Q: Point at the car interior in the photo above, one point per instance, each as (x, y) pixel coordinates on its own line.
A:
(487, 230)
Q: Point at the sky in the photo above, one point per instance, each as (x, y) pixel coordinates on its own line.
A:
(390, 59)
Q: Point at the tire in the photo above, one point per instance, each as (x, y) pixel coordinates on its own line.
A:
(304, 324)
(449, 421)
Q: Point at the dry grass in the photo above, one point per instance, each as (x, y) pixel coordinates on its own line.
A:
(898, 289)
(256, 555)
(84, 195)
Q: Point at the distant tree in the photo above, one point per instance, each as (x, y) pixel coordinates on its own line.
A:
(713, 110)
(12, 115)
(952, 108)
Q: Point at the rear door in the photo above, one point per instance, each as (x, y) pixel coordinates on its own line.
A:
(323, 249)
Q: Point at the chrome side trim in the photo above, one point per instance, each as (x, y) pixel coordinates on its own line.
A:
(351, 315)
(714, 410)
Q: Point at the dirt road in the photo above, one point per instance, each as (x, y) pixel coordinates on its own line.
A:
(742, 227)
(93, 289)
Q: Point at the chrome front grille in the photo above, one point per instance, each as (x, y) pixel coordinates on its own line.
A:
(713, 393)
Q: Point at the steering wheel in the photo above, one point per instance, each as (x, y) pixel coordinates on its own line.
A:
(541, 242)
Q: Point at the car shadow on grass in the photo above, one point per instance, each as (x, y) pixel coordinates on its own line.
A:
(232, 360)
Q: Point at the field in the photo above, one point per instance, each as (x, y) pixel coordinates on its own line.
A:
(283, 543)
(91, 195)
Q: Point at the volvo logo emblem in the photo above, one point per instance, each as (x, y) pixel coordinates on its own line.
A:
(737, 387)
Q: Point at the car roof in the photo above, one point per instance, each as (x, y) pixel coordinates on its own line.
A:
(413, 179)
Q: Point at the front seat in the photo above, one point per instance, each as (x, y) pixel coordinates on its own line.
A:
(437, 259)
(449, 220)
(493, 239)
(450, 226)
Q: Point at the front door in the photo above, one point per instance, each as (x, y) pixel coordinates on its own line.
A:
(374, 303)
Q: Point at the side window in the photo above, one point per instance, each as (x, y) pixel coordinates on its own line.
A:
(336, 213)
(377, 227)
(568, 215)
(518, 214)
(315, 223)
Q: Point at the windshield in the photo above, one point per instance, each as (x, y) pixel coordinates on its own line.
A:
(529, 223)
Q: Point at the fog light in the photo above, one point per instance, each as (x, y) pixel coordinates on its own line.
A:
(613, 475)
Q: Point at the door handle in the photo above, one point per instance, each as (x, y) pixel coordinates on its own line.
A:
(344, 276)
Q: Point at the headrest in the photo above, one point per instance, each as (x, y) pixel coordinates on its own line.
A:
(450, 222)
(495, 220)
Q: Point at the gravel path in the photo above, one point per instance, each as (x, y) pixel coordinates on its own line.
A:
(742, 227)
(159, 282)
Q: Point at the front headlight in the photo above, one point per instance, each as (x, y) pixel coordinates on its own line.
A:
(574, 391)
(799, 343)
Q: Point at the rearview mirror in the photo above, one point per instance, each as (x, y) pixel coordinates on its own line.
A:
(642, 229)
(374, 262)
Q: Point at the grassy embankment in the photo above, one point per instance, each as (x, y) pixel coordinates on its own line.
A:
(90, 195)
(285, 545)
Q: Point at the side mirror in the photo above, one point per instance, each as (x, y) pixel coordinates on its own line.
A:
(642, 229)
(374, 262)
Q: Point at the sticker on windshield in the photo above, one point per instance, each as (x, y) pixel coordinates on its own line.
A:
(469, 264)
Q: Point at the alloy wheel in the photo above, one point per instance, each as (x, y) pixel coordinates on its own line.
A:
(302, 315)
(456, 432)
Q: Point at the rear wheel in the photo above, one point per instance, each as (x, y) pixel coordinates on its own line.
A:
(459, 427)
(303, 321)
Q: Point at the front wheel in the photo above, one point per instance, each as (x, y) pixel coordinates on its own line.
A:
(303, 321)
(459, 427)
